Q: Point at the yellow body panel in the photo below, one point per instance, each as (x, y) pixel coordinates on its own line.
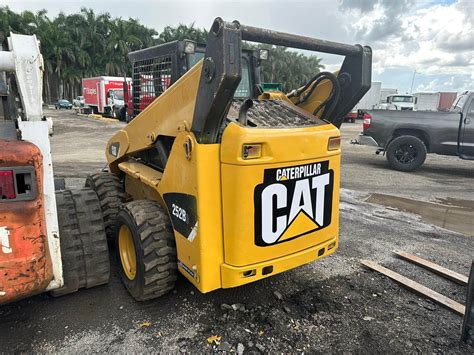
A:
(281, 148)
(200, 259)
(141, 181)
(171, 113)
(274, 95)
(233, 276)
(226, 192)
(223, 249)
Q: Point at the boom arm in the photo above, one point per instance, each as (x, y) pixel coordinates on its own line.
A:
(24, 59)
(201, 105)
(354, 77)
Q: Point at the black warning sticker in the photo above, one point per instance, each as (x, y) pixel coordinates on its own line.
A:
(183, 211)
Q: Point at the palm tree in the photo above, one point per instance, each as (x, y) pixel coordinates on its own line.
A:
(85, 44)
(183, 32)
(120, 42)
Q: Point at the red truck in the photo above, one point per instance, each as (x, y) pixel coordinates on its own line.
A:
(105, 94)
(148, 89)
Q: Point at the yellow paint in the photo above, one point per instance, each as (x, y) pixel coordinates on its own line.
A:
(223, 252)
(233, 276)
(301, 224)
(317, 97)
(199, 176)
(127, 252)
(274, 95)
(280, 148)
(171, 113)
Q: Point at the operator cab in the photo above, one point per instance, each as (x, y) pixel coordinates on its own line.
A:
(156, 68)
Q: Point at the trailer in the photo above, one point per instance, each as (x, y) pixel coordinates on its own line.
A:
(368, 102)
(426, 101)
(371, 98)
(385, 92)
(105, 94)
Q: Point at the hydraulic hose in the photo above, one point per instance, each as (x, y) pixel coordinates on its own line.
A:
(313, 83)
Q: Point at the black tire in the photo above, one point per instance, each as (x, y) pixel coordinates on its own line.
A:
(93, 237)
(353, 120)
(111, 196)
(71, 247)
(406, 153)
(84, 250)
(123, 114)
(155, 249)
(113, 113)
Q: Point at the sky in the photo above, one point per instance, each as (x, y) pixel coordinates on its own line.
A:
(429, 42)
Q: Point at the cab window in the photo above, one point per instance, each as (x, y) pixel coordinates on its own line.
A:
(243, 90)
(194, 58)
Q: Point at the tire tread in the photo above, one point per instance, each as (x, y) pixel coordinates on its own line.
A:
(157, 247)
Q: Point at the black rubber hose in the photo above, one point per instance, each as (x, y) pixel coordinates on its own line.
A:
(309, 83)
(333, 97)
(314, 86)
(314, 82)
(243, 111)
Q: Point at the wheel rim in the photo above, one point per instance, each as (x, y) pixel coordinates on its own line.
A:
(128, 257)
(406, 153)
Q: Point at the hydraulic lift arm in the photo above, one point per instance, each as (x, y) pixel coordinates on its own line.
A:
(201, 98)
(24, 60)
(326, 95)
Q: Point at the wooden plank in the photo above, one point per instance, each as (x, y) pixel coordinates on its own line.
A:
(417, 288)
(449, 274)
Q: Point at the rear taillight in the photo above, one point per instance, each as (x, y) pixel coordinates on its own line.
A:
(334, 143)
(7, 185)
(367, 120)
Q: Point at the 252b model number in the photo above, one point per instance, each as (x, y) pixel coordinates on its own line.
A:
(180, 213)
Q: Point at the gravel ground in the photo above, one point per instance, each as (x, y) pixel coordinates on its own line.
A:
(333, 305)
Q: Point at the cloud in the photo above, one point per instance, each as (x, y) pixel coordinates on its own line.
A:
(432, 37)
(360, 5)
(430, 87)
(449, 83)
(379, 19)
(435, 37)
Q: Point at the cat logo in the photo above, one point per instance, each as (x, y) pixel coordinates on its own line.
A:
(292, 202)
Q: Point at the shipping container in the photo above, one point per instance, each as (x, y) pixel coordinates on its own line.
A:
(446, 100)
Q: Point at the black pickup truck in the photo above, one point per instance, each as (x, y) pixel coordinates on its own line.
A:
(407, 136)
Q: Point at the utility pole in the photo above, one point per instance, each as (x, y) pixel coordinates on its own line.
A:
(412, 82)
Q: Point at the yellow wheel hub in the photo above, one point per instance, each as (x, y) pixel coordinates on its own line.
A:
(128, 257)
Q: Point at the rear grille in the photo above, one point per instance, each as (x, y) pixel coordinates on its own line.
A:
(273, 113)
(151, 77)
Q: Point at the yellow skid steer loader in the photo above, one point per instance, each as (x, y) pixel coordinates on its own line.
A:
(224, 189)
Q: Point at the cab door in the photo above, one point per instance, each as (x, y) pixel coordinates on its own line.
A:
(466, 132)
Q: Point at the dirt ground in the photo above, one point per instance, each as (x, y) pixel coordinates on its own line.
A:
(333, 305)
